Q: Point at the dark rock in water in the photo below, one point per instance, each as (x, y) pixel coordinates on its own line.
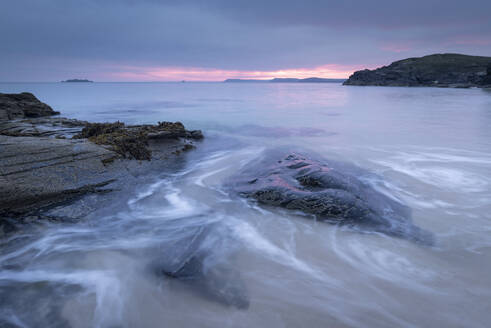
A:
(201, 258)
(22, 105)
(439, 70)
(329, 191)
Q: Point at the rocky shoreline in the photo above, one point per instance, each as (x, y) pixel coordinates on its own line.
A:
(438, 70)
(47, 161)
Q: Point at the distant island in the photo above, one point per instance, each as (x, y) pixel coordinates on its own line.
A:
(288, 80)
(438, 70)
(77, 80)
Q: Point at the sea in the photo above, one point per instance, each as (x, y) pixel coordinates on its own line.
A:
(428, 148)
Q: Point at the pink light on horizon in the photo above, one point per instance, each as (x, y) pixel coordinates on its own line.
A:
(147, 74)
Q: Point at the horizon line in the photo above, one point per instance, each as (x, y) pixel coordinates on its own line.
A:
(172, 81)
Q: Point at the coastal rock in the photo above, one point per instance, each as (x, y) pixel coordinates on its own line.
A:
(57, 127)
(439, 70)
(47, 161)
(38, 172)
(202, 259)
(330, 192)
(132, 141)
(22, 105)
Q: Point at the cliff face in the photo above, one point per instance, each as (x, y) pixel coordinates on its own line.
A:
(439, 70)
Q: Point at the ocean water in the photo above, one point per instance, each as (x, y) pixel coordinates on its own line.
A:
(429, 148)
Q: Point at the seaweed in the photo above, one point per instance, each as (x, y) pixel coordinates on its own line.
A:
(132, 141)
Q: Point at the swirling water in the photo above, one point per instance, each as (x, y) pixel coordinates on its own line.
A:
(430, 148)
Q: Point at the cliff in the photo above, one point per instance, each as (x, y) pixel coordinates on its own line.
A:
(439, 70)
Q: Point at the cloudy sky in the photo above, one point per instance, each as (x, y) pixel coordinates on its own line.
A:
(168, 40)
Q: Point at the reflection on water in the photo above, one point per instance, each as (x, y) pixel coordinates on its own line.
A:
(180, 250)
(275, 131)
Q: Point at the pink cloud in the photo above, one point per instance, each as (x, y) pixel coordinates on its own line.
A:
(134, 73)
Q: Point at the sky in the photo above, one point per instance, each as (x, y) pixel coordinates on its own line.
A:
(211, 40)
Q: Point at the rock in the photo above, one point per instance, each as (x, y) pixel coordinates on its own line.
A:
(132, 141)
(439, 70)
(42, 166)
(202, 260)
(40, 172)
(58, 127)
(22, 105)
(330, 192)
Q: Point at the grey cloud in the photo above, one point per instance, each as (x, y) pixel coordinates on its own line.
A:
(64, 36)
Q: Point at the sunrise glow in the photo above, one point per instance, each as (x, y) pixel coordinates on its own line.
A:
(134, 73)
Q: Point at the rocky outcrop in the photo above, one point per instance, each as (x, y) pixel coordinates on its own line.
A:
(41, 171)
(330, 192)
(22, 105)
(132, 141)
(439, 70)
(48, 161)
(57, 127)
(38, 173)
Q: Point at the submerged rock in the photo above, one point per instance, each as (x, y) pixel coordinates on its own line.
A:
(439, 70)
(329, 191)
(202, 259)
